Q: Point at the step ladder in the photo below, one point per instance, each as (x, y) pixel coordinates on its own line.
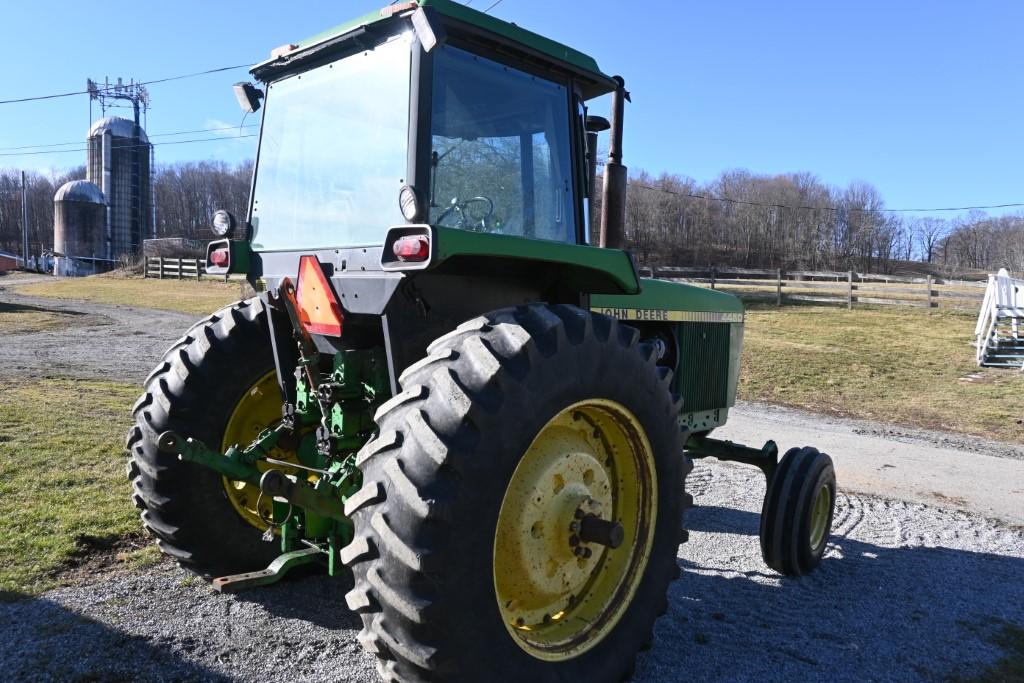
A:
(1000, 328)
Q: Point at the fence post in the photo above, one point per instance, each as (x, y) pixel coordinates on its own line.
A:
(197, 270)
(181, 262)
(928, 285)
(145, 267)
(160, 267)
(778, 286)
(714, 273)
(849, 291)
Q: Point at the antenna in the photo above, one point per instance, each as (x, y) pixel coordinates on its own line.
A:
(107, 94)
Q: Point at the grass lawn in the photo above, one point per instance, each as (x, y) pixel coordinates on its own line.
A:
(188, 296)
(889, 363)
(63, 491)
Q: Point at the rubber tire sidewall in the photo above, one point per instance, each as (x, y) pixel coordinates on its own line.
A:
(787, 508)
(194, 391)
(487, 444)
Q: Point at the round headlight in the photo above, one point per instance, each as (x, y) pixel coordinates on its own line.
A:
(223, 223)
(409, 202)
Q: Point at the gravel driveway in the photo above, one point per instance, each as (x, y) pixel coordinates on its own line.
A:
(908, 590)
(100, 341)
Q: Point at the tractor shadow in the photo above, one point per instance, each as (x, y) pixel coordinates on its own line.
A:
(867, 613)
(307, 595)
(41, 640)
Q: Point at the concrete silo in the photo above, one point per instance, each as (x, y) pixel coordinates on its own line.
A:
(119, 163)
(79, 229)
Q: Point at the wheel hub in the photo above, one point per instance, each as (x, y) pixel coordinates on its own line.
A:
(258, 409)
(575, 529)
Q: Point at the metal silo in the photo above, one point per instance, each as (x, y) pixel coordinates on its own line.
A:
(79, 229)
(119, 163)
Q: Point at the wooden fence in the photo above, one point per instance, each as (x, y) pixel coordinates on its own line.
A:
(164, 268)
(845, 288)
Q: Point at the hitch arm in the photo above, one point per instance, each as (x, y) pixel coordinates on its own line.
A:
(233, 464)
(766, 458)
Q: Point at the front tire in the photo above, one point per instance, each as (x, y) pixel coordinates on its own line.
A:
(796, 516)
(438, 566)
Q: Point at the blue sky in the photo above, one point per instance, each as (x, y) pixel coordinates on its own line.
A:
(922, 99)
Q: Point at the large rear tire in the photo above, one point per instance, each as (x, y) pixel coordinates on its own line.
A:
(474, 472)
(220, 365)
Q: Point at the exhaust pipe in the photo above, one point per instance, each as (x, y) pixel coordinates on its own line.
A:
(613, 201)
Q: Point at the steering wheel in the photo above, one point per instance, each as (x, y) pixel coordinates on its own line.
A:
(477, 221)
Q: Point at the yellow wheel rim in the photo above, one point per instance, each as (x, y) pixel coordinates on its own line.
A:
(819, 516)
(258, 409)
(558, 599)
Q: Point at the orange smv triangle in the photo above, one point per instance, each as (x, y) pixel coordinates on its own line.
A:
(319, 310)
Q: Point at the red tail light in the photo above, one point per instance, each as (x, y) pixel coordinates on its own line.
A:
(319, 310)
(412, 248)
(220, 257)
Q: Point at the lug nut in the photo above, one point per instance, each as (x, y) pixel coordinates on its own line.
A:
(582, 551)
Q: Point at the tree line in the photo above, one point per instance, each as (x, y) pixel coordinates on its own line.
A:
(796, 222)
(186, 196)
(742, 219)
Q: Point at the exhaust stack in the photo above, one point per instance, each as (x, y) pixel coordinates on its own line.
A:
(613, 201)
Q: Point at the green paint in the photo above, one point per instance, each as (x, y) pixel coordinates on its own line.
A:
(272, 574)
(659, 295)
(231, 464)
(456, 11)
(589, 269)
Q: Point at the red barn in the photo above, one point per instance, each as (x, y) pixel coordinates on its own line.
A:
(8, 261)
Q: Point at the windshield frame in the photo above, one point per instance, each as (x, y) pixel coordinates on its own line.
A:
(419, 141)
(353, 45)
(478, 46)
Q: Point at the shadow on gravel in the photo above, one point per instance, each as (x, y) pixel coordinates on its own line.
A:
(9, 307)
(310, 597)
(42, 641)
(867, 613)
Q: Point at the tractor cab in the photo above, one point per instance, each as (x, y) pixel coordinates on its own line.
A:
(424, 113)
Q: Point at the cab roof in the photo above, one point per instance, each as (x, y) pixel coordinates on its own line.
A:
(460, 18)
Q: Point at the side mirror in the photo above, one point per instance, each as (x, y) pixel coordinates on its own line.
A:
(249, 96)
(223, 224)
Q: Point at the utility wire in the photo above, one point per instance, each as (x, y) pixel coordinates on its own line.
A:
(151, 135)
(130, 146)
(493, 5)
(112, 88)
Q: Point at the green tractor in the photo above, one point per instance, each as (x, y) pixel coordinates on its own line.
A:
(450, 386)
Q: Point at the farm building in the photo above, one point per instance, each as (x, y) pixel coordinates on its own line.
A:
(9, 261)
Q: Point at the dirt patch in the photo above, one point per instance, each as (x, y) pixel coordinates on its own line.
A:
(104, 557)
(20, 318)
(84, 340)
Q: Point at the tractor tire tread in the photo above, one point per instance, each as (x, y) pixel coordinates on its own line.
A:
(425, 450)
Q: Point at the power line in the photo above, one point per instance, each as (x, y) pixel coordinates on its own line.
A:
(493, 5)
(150, 135)
(130, 146)
(729, 200)
(112, 88)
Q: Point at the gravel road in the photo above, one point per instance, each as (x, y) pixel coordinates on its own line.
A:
(99, 341)
(907, 592)
(912, 588)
